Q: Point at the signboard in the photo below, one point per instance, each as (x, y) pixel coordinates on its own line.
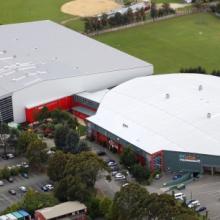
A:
(189, 158)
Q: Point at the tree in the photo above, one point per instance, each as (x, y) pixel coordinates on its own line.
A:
(94, 208)
(34, 200)
(5, 173)
(130, 203)
(153, 10)
(4, 131)
(72, 188)
(140, 172)
(56, 165)
(43, 114)
(72, 141)
(105, 206)
(165, 207)
(37, 153)
(85, 165)
(13, 137)
(128, 157)
(25, 138)
(166, 8)
(60, 135)
(83, 146)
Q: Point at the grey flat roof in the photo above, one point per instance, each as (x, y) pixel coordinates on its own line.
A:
(36, 51)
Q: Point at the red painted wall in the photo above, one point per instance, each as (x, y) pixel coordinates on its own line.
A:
(156, 154)
(63, 103)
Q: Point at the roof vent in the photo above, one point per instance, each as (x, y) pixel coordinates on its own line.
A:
(4, 51)
(167, 96)
(200, 88)
(14, 56)
(209, 115)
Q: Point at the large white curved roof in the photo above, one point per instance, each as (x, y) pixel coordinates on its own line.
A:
(165, 112)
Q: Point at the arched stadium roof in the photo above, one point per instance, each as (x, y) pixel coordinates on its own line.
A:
(174, 112)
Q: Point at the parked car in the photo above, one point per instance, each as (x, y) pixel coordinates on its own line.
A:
(114, 173)
(120, 176)
(101, 153)
(44, 188)
(181, 186)
(50, 186)
(111, 163)
(114, 168)
(12, 192)
(125, 184)
(47, 187)
(194, 204)
(157, 176)
(1, 183)
(10, 156)
(10, 179)
(177, 176)
(25, 175)
(201, 209)
(23, 189)
(179, 196)
(25, 164)
(4, 156)
(11, 167)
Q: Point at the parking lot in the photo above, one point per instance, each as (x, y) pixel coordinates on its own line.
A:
(104, 186)
(35, 181)
(206, 189)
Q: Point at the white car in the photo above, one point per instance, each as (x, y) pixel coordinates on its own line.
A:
(10, 156)
(194, 204)
(112, 163)
(125, 184)
(49, 187)
(25, 165)
(179, 196)
(120, 176)
(1, 183)
(23, 189)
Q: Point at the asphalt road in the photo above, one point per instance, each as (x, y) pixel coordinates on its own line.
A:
(35, 181)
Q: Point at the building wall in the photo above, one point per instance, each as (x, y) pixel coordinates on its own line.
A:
(105, 137)
(180, 161)
(47, 91)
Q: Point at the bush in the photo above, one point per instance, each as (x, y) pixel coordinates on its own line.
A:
(140, 173)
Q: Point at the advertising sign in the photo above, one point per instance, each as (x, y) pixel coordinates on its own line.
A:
(189, 158)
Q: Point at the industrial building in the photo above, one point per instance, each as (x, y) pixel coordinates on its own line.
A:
(72, 210)
(171, 121)
(45, 64)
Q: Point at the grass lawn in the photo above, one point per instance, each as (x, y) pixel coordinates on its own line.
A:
(179, 42)
(15, 11)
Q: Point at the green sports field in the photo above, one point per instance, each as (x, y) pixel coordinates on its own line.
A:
(15, 11)
(179, 42)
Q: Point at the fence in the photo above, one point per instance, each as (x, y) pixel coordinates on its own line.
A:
(179, 13)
